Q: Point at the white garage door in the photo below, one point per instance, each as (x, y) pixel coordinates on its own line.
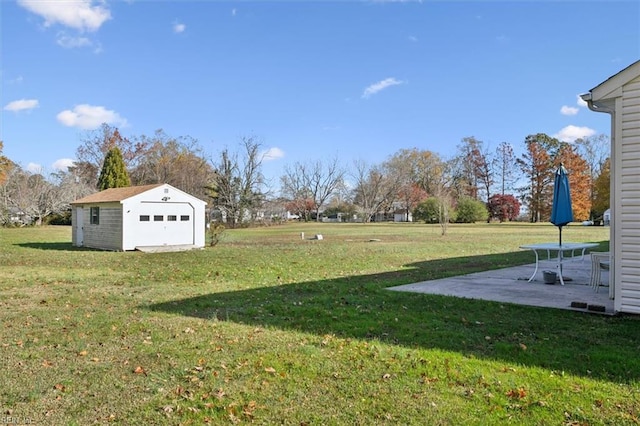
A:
(161, 224)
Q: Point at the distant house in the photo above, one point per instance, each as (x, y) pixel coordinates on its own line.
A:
(619, 96)
(139, 217)
(402, 215)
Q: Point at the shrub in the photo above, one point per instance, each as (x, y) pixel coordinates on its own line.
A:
(504, 207)
(470, 210)
(427, 210)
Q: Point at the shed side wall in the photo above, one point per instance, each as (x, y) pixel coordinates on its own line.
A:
(107, 235)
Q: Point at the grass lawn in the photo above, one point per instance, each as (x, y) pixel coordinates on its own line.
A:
(268, 328)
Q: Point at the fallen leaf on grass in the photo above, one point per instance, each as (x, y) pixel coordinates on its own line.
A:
(82, 353)
(270, 370)
(140, 370)
(517, 393)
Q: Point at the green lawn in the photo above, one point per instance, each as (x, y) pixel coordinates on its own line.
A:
(268, 328)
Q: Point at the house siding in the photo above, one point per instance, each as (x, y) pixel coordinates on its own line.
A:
(627, 250)
(107, 234)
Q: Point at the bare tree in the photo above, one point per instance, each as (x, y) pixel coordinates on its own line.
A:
(473, 172)
(237, 189)
(95, 146)
(374, 189)
(298, 194)
(317, 180)
(180, 162)
(33, 195)
(505, 167)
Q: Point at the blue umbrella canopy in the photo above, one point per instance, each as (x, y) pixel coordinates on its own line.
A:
(561, 211)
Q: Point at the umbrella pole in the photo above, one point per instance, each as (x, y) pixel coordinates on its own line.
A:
(560, 257)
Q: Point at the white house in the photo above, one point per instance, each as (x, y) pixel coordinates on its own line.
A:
(139, 217)
(619, 96)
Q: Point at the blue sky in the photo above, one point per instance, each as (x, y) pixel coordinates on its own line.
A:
(309, 79)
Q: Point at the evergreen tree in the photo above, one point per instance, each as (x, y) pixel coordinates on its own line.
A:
(114, 173)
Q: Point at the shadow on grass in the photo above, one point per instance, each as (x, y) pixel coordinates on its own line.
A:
(61, 246)
(360, 307)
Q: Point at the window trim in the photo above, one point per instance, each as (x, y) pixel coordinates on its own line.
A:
(94, 215)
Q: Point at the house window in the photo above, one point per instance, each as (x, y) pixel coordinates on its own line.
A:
(172, 218)
(94, 215)
(144, 218)
(184, 217)
(158, 218)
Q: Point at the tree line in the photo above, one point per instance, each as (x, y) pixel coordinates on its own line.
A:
(475, 184)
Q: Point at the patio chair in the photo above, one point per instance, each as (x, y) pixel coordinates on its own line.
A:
(600, 261)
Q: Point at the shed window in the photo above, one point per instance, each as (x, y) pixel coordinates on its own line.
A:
(94, 215)
(144, 218)
(184, 217)
(172, 218)
(158, 218)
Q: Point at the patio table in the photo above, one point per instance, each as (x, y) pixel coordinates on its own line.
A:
(574, 248)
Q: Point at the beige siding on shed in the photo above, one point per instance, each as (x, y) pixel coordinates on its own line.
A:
(628, 238)
(108, 233)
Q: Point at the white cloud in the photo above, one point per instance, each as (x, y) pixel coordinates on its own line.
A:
(83, 15)
(179, 28)
(573, 110)
(567, 110)
(22, 105)
(272, 154)
(571, 133)
(234, 12)
(380, 85)
(413, 39)
(62, 164)
(18, 80)
(34, 168)
(70, 42)
(90, 117)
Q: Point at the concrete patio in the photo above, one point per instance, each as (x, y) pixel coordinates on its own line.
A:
(510, 285)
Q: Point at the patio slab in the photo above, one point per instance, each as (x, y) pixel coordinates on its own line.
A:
(510, 285)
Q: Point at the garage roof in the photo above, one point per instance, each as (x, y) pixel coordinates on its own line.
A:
(115, 194)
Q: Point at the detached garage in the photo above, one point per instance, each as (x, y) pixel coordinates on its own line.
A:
(139, 218)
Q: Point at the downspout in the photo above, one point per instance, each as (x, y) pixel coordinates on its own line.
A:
(602, 107)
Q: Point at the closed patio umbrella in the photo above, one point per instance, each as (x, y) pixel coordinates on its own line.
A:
(561, 211)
